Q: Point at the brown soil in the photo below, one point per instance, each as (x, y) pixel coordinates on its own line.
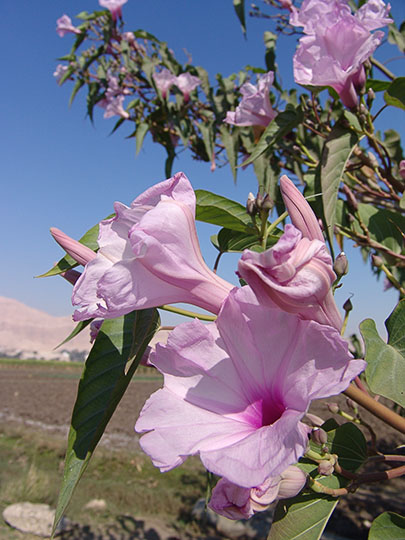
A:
(43, 397)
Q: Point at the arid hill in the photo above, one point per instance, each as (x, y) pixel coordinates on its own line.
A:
(26, 332)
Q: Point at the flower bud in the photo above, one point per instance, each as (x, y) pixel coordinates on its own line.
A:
(333, 407)
(341, 265)
(325, 468)
(79, 252)
(377, 261)
(251, 207)
(319, 436)
(314, 420)
(348, 306)
(352, 405)
(293, 480)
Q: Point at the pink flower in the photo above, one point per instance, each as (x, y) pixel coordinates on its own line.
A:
(79, 252)
(235, 391)
(59, 72)
(297, 273)
(64, 26)
(337, 44)
(255, 108)
(113, 100)
(164, 80)
(186, 83)
(149, 255)
(235, 502)
(114, 6)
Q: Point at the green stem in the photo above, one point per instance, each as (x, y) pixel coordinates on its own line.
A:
(382, 68)
(271, 228)
(186, 313)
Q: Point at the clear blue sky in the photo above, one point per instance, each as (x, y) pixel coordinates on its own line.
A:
(58, 169)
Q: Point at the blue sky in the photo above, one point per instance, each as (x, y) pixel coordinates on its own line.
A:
(59, 170)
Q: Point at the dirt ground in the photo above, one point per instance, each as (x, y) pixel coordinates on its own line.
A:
(43, 398)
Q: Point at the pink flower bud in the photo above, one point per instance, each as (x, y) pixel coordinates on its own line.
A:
(79, 252)
(235, 502)
(402, 169)
(114, 6)
(326, 468)
(341, 265)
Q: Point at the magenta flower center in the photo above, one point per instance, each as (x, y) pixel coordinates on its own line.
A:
(263, 412)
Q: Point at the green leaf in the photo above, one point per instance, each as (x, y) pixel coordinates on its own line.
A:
(305, 517)
(385, 372)
(270, 41)
(77, 329)
(228, 241)
(388, 526)
(231, 143)
(67, 262)
(383, 226)
(395, 94)
(109, 368)
(335, 154)
(239, 7)
(207, 131)
(282, 124)
(78, 84)
(142, 34)
(140, 133)
(397, 37)
(218, 210)
(377, 86)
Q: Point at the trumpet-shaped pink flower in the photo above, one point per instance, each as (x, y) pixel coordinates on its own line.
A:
(235, 502)
(164, 80)
(149, 255)
(235, 391)
(337, 44)
(186, 83)
(114, 6)
(297, 273)
(64, 26)
(255, 108)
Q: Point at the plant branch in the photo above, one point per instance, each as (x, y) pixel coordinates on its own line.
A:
(186, 313)
(377, 409)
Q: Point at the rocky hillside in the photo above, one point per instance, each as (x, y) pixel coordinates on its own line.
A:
(29, 333)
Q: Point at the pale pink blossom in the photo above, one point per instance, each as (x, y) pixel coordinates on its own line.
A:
(186, 83)
(114, 6)
(255, 108)
(297, 273)
(64, 26)
(164, 80)
(59, 72)
(114, 99)
(79, 252)
(149, 255)
(235, 391)
(337, 44)
(235, 502)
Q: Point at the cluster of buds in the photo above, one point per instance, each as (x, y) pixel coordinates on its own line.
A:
(258, 204)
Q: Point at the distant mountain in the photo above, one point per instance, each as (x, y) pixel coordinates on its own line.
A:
(29, 333)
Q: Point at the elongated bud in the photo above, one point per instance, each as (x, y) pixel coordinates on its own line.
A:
(319, 436)
(341, 265)
(79, 252)
(314, 420)
(301, 214)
